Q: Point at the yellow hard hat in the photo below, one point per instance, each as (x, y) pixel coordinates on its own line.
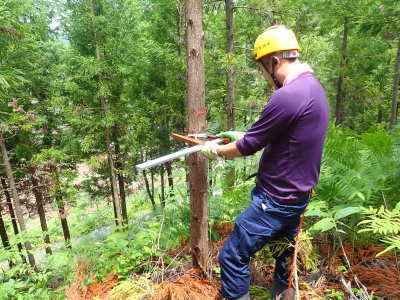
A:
(275, 39)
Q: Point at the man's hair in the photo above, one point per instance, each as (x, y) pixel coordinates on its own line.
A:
(266, 59)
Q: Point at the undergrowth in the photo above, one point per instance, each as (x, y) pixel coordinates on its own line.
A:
(360, 174)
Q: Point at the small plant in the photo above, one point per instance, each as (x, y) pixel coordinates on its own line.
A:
(334, 294)
(259, 293)
(342, 268)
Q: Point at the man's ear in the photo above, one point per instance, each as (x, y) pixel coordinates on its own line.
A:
(277, 61)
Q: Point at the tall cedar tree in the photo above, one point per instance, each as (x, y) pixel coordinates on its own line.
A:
(104, 105)
(198, 185)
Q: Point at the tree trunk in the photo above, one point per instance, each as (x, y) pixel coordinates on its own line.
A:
(341, 91)
(162, 196)
(120, 177)
(168, 167)
(3, 232)
(230, 83)
(63, 220)
(210, 175)
(42, 216)
(12, 215)
(4, 237)
(151, 196)
(152, 181)
(113, 204)
(62, 214)
(17, 204)
(229, 176)
(198, 187)
(395, 97)
(179, 24)
(105, 108)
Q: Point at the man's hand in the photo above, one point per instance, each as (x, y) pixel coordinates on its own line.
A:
(210, 150)
(231, 135)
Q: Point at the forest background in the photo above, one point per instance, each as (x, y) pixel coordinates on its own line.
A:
(88, 89)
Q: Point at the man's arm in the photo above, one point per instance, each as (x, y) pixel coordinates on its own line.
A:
(229, 150)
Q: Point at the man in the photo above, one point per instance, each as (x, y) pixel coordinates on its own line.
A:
(291, 130)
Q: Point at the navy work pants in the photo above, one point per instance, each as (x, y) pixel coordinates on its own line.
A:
(264, 221)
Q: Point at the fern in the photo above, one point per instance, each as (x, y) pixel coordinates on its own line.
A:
(383, 222)
(357, 171)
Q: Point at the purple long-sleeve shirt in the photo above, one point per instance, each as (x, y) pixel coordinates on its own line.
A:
(291, 129)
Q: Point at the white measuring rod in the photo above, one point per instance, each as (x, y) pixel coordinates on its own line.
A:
(168, 157)
(172, 156)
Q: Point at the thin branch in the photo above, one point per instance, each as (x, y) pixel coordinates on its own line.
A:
(249, 110)
(347, 287)
(239, 47)
(11, 31)
(255, 8)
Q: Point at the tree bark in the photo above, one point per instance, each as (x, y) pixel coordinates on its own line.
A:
(395, 97)
(197, 177)
(179, 24)
(229, 177)
(162, 196)
(17, 204)
(61, 209)
(4, 237)
(42, 216)
(230, 82)
(63, 220)
(106, 110)
(12, 215)
(61, 212)
(151, 196)
(341, 91)
(120, 177)
(168, 167)
(113, 203)
(3, 232)
(152, 182)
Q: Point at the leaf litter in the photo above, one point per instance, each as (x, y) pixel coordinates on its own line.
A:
(380, 275)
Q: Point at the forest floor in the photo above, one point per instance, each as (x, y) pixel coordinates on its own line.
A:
(332, 277)
(327, 270)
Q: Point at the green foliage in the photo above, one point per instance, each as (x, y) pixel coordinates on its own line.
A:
(122, 252)
(132, 290)
(51, 82)
(334, 294)
(23, 283)
(259, 293)
(385, 223)
(356, 170)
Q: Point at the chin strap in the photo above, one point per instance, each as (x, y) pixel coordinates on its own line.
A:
(278, 85)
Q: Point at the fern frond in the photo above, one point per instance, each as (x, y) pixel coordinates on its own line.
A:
(393, 242)
(385, 222)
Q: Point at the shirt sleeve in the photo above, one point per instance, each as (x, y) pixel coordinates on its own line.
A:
(274, 120)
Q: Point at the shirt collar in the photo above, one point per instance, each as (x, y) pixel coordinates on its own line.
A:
(300, 70)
